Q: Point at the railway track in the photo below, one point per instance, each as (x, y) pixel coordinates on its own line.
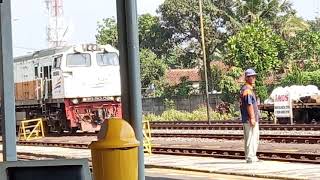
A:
(300, 139)
(235, 121)
(236, 154)
(190, 126)
(272, 138)
(202, 152)
(231, 121)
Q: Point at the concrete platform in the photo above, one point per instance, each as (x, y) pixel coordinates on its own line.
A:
(170, 174)
(265, 169)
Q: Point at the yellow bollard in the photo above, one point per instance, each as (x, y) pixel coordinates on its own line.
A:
(115, 156)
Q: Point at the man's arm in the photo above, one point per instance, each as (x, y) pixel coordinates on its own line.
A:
(251, 115)
(248, 98)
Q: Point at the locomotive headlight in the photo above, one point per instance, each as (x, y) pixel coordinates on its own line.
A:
(94, 47)
(78, 49)
(108, 98)
(89, 47)
(118, 99)
(75, 101)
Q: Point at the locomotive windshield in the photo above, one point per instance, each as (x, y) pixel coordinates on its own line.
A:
(107, 59)
(78, 60)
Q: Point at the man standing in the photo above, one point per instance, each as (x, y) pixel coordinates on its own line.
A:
(250, 117)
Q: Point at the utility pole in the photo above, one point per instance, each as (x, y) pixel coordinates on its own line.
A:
(8, 122)
(130, 72)
(204, 61)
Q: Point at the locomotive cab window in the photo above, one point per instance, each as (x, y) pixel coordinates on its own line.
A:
(78, 60)
(46, 71)
(36, 71)
(107, 59)
(57, 62)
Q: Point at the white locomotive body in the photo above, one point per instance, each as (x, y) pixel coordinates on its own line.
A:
(73, 87)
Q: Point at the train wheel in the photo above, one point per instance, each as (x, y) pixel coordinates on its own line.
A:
(58, 127)
(73, 130)
(60, 130)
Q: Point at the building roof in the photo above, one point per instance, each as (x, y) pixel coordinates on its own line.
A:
(173, 76)
(220, 65)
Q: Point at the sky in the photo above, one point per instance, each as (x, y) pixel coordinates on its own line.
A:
(30, 19)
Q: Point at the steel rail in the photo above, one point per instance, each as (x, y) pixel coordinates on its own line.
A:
(201, 152)
(272, 138)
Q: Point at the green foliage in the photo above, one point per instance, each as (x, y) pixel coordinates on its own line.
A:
(312, 77)
(172, 39)
(184, 89)
(305, 46)
(234, 112)
(197, 115)
(152, 68)
(299, 77)
(150, 117)
(174, 115)
(181, 18)
(235, 72)
(261, 90)
(152, 35)
(289, 25)
(230, 88)
(293, 78)
(226, 81)
(107, 32)
(181, 57)
(315, 24)
(217, 75)
(256, 46)
(169, 104)
(249, 11)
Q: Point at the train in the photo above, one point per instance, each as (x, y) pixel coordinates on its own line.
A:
(72, 88)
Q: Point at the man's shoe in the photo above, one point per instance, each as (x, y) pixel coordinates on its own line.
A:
(253, 161)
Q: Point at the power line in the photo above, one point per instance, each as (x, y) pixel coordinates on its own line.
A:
(26, 48)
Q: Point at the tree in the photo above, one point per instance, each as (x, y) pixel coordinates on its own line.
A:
(315, 24)
(185, 87)
(289, 25)
(107, 32)
(182, 20)
(181, 57)
(230, 89)
(249, 11)
(221, 20)
(300, 77)
(152, 38)
(152, 69)
(151, 34)
(256, 46)
(305, 46)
